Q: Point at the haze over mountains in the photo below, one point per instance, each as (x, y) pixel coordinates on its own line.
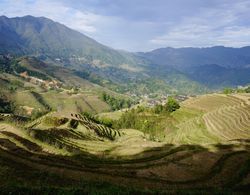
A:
(182, 58)
(212, 66)
(195, 68)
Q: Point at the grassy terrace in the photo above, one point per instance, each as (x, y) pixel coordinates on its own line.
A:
(206, 149)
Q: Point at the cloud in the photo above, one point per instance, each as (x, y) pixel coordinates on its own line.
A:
(211, 26)
(76, 19)
(141, 25)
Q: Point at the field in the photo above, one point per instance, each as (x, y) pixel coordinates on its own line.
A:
(206, 149)
(30, 97)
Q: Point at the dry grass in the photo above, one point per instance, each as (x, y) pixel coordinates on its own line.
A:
(196, 153)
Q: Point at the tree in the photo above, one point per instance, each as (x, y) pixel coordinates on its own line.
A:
(227, 90)
(248, 89)
(104, 97)
(116, 103)
(172, 105)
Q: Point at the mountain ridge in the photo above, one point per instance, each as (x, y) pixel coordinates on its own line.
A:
(55, 43)
(191, 56)
(30, 35)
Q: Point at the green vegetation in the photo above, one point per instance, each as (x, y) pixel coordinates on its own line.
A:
(19, 69)
(5, 105)
(41, 100)
(151, 121)
(172, 105)
(228, 90)
(146, 122)
(116, 103)
(14, 85)
(247, 90)
(36, 114)
(104, 121)
(173, 152)
(236, 90)
(60, 137)
(93, 78)
(12, 65)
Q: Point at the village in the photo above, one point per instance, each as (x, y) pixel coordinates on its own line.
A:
(148, 101)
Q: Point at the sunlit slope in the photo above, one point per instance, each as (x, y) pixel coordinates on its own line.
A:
(74, 134)
(216, 118)
(61, 150)
(210, 119)
(230, 122)
(211, 102)
(60, 101)
(29, 97)
(66, 145)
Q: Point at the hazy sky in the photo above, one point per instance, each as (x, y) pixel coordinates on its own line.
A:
(142, 25)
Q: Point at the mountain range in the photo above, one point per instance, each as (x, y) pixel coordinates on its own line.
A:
(182, 58)
(181, 70)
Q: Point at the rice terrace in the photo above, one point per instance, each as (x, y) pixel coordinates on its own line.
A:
(164, 109)
(204, 149)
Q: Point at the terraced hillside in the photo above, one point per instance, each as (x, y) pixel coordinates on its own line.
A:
(211, 119)
(208, 148)
(231, 122)
(227, 117)
(30, 97)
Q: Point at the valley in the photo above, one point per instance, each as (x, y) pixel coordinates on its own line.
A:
(200, 147)
(78, 117)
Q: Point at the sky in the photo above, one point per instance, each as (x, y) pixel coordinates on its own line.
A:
(144, 25)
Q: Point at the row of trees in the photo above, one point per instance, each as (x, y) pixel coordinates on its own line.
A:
(231, 90)
(116, 103)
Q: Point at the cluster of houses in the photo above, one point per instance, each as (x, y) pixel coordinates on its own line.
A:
(151, 102)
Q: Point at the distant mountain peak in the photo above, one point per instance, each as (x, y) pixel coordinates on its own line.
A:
(31, 35)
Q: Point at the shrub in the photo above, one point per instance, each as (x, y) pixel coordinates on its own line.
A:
(158, 109)
(172, 105)
(227, 90)
(6, 105)
(36, 114)
(247, 89)
(116, 103)
(74, 123)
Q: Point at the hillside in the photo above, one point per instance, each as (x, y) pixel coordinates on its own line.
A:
(110, 97)
(44, 37)
(56, 44)
(188, 57)
(31, 88)
(183, 70)
(207, 147)
(214, 67)
(214, 76)
(214, 118)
